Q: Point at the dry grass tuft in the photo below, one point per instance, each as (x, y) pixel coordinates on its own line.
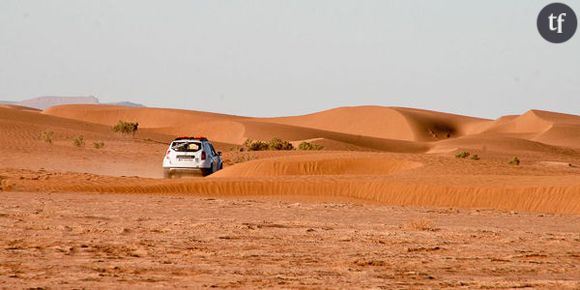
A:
(47, 136)
(515, 161)
(79, 141)
(99, 145)
(4, 184)
(309, 146)
(128, 128)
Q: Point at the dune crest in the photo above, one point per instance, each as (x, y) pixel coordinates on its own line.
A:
(541, 126)
(386, 122)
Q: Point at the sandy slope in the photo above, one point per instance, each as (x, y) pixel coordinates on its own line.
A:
(542, 126)
(320, 164)
(219, 127)
(21, 146)
(19, 108)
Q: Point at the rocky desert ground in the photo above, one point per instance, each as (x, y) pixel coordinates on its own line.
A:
(385, 204)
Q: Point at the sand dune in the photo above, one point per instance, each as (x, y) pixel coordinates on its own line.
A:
(528, 124)
(321, 164)
(562, 135)
(552, 194)
(148, 117)
(386, 122)
(542, 126)
(370, 127)
(168, 121)
(265, 131)
(22, 146)
(19, 108)
(219, 127)
(532, 122)
(398, 172)
(500, 143)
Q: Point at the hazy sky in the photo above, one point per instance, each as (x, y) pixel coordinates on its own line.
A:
(267, 58)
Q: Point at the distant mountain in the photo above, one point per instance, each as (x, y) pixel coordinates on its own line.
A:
(49, 101)
(45, 102)
(126, 104)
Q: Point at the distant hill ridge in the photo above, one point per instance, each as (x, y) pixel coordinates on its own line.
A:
(49, 101)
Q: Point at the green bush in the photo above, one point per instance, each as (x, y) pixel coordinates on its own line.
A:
(462, 154)
(79, 141)
(474, 157)
(47, 136)
(279, 144)
(126, 127)
(309, 146)
(515, 161)
(99, 145)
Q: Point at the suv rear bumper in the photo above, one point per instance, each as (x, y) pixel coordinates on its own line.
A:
(169, 172)
(200, 164)
(185, 167)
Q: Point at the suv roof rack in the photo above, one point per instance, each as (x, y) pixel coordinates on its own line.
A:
(201, 138)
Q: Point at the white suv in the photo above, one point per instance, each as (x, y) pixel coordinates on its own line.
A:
(191, 154)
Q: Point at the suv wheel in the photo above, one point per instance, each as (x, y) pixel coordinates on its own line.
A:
(167, 173)
(206, 171)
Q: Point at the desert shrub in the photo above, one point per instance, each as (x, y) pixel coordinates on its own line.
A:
(79, 141)
(515, 161)
(309, 146)
(255, 145)
(5, 185)
(274, 144)
(47, 136)
(99, 145)
(259, 146)
(126, 127)
(474, 157)
(279, 144)
(247, 144)
(462, 154)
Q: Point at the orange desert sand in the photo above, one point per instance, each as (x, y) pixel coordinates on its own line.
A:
(385, 204)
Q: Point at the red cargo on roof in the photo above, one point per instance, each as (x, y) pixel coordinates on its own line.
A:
(194, 137)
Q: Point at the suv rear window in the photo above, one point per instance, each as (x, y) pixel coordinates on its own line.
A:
(186, 146)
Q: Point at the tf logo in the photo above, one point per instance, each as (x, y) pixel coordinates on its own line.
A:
(557, 22)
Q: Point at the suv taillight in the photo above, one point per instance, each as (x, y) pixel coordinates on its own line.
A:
(202, 155)
(167, 154)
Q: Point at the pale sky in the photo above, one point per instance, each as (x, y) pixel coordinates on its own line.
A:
(272, 58)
